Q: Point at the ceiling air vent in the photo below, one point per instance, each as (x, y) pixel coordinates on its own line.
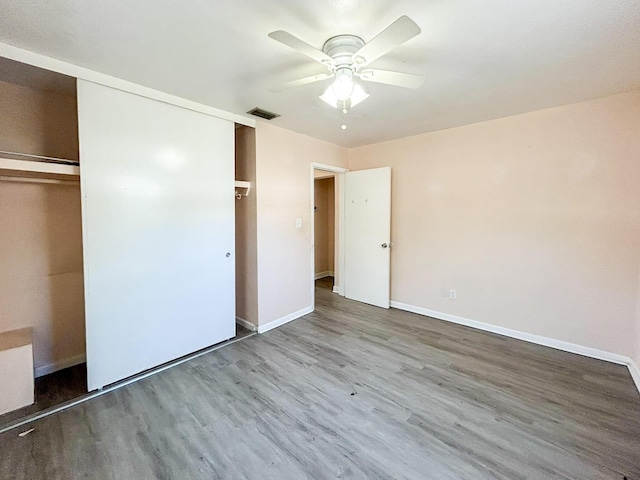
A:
(258, 112)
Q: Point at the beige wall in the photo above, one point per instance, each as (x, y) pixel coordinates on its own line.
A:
(534, 219)
(284, 252)
(246, 228)
(38, 122)
(324, 225)
(41, 281)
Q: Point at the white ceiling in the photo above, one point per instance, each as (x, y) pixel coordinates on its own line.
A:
(482, 59)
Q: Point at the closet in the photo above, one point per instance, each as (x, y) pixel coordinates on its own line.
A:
(41, 261)
(117, 238)
(246, 228)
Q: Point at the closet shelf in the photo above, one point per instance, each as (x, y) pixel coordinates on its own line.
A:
(28, 168)
(242, 189)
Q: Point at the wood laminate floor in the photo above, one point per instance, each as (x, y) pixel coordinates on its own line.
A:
(64, 385)
(351, 391)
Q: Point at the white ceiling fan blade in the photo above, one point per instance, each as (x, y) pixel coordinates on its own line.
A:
(301, 81)
(406, 80)
(396, 34)
(294, 42)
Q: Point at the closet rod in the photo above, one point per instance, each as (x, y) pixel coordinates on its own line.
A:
(5, 178)
(41, 158)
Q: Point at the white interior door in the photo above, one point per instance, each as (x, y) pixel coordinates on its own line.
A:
(368, 235)
(158, 231)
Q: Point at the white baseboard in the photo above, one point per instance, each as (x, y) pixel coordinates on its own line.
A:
(286, 319)
(635, 373)
(527, 337)
(246, 324)
(320, 275)
(338, 289)
(59, 365)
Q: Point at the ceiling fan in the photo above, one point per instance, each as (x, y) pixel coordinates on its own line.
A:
(347, 56)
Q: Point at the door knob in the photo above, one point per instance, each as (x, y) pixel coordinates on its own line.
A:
(228, 254)
(384, 245)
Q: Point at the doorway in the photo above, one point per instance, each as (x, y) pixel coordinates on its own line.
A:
(327, 253)
(324, 216)
(362, 232)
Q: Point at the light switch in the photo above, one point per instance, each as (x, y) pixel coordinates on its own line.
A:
(298, 223)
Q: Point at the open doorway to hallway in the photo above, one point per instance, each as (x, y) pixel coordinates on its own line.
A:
(327, 225)
(324, 218)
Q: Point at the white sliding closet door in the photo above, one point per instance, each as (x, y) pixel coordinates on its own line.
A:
(158, 226)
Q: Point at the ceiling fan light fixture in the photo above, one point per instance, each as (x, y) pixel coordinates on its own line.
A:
(343, 85)
(358, 95)
(329, 97)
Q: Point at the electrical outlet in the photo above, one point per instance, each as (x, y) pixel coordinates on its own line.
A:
(453, 294)
(298, 223)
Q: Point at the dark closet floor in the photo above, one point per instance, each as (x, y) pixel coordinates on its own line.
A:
(53, 389)
(65, 385)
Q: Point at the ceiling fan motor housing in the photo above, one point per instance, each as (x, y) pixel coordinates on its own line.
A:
(341, 48)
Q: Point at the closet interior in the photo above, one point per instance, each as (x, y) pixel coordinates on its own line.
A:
(41, 278)
(246, 230)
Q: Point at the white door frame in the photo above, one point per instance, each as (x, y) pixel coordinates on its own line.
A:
(339, 209)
